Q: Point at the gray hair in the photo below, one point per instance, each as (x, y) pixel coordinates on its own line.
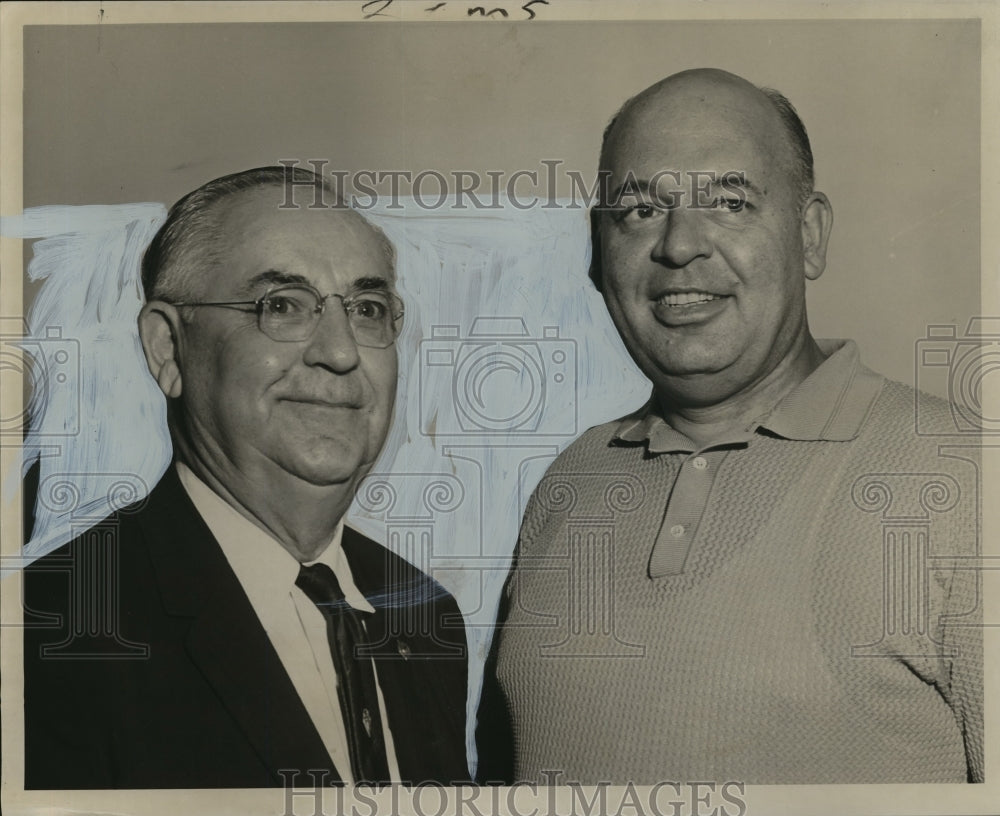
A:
(187, 244)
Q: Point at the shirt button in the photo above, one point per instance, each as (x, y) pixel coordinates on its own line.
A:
(403, 649)
(699, 462)
(677, 530)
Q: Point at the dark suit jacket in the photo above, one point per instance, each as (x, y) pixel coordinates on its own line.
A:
(145, 665)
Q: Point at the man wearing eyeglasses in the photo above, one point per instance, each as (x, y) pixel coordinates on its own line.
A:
(283, 647)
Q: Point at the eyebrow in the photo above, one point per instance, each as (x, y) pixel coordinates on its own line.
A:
(276, 277)
(631, 186)
(737, 180)
(273, 277)
(368, 284)
(635, 186)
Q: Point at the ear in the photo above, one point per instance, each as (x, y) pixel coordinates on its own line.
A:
(159, 323)
(817, 223)
(595, 246)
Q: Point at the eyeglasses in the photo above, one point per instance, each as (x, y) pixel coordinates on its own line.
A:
(290, 313)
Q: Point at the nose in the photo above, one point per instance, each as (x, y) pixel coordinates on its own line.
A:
(683, 238)
(332, 344)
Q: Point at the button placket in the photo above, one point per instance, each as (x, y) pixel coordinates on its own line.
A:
(688, 498)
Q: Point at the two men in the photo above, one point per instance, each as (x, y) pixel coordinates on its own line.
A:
(733, 583)
(256, 635)
(737, 581)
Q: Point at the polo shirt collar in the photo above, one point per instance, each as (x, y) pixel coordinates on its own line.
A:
(831, 404)
(645, 425)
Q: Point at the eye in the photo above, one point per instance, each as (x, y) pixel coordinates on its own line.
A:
(732, 204)
(370, 307)
(639, 212)
(287, 304)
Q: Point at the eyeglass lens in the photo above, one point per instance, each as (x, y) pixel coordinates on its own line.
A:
(291, 314)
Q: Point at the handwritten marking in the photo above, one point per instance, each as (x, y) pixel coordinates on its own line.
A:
(378, 12)
(527, 7)
(484, 13)
(377, 8)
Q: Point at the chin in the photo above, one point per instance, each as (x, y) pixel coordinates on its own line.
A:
(330, 467)
(326, 476)
(687, 366)
(700, 382)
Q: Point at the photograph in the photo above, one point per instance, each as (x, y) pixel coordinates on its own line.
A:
(546, 408)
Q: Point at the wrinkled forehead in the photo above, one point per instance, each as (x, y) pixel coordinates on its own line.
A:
(330, 247)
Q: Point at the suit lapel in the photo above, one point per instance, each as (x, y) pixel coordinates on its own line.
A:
(421, 693)
(370, 571)
(226, 640)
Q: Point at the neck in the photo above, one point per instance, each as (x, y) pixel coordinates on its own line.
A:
(705, 424)
(302, 517)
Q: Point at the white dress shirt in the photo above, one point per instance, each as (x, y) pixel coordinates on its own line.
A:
(294, 624)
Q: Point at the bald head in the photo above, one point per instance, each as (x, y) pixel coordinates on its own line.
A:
(730, 98)
(705, 238)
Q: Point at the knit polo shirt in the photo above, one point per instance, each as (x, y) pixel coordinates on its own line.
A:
(792, 604)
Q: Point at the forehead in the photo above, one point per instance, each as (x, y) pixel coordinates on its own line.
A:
(699, 126)
(331, 248)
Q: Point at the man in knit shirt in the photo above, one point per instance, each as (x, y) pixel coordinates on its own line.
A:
(759, 575)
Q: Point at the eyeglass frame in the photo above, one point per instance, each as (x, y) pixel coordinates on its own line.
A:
(346, 302)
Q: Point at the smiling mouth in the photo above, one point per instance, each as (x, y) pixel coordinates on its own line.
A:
(320, 403)
(677, 299)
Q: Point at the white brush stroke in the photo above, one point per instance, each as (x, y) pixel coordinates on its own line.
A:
(447, 493)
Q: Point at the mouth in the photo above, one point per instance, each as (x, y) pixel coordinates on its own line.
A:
(316, 402)
(679, 300)
(688, 307)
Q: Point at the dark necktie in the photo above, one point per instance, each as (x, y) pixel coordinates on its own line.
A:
(355, 675)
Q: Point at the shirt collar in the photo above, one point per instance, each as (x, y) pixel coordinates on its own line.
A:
(831, 404)
(259, 561)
